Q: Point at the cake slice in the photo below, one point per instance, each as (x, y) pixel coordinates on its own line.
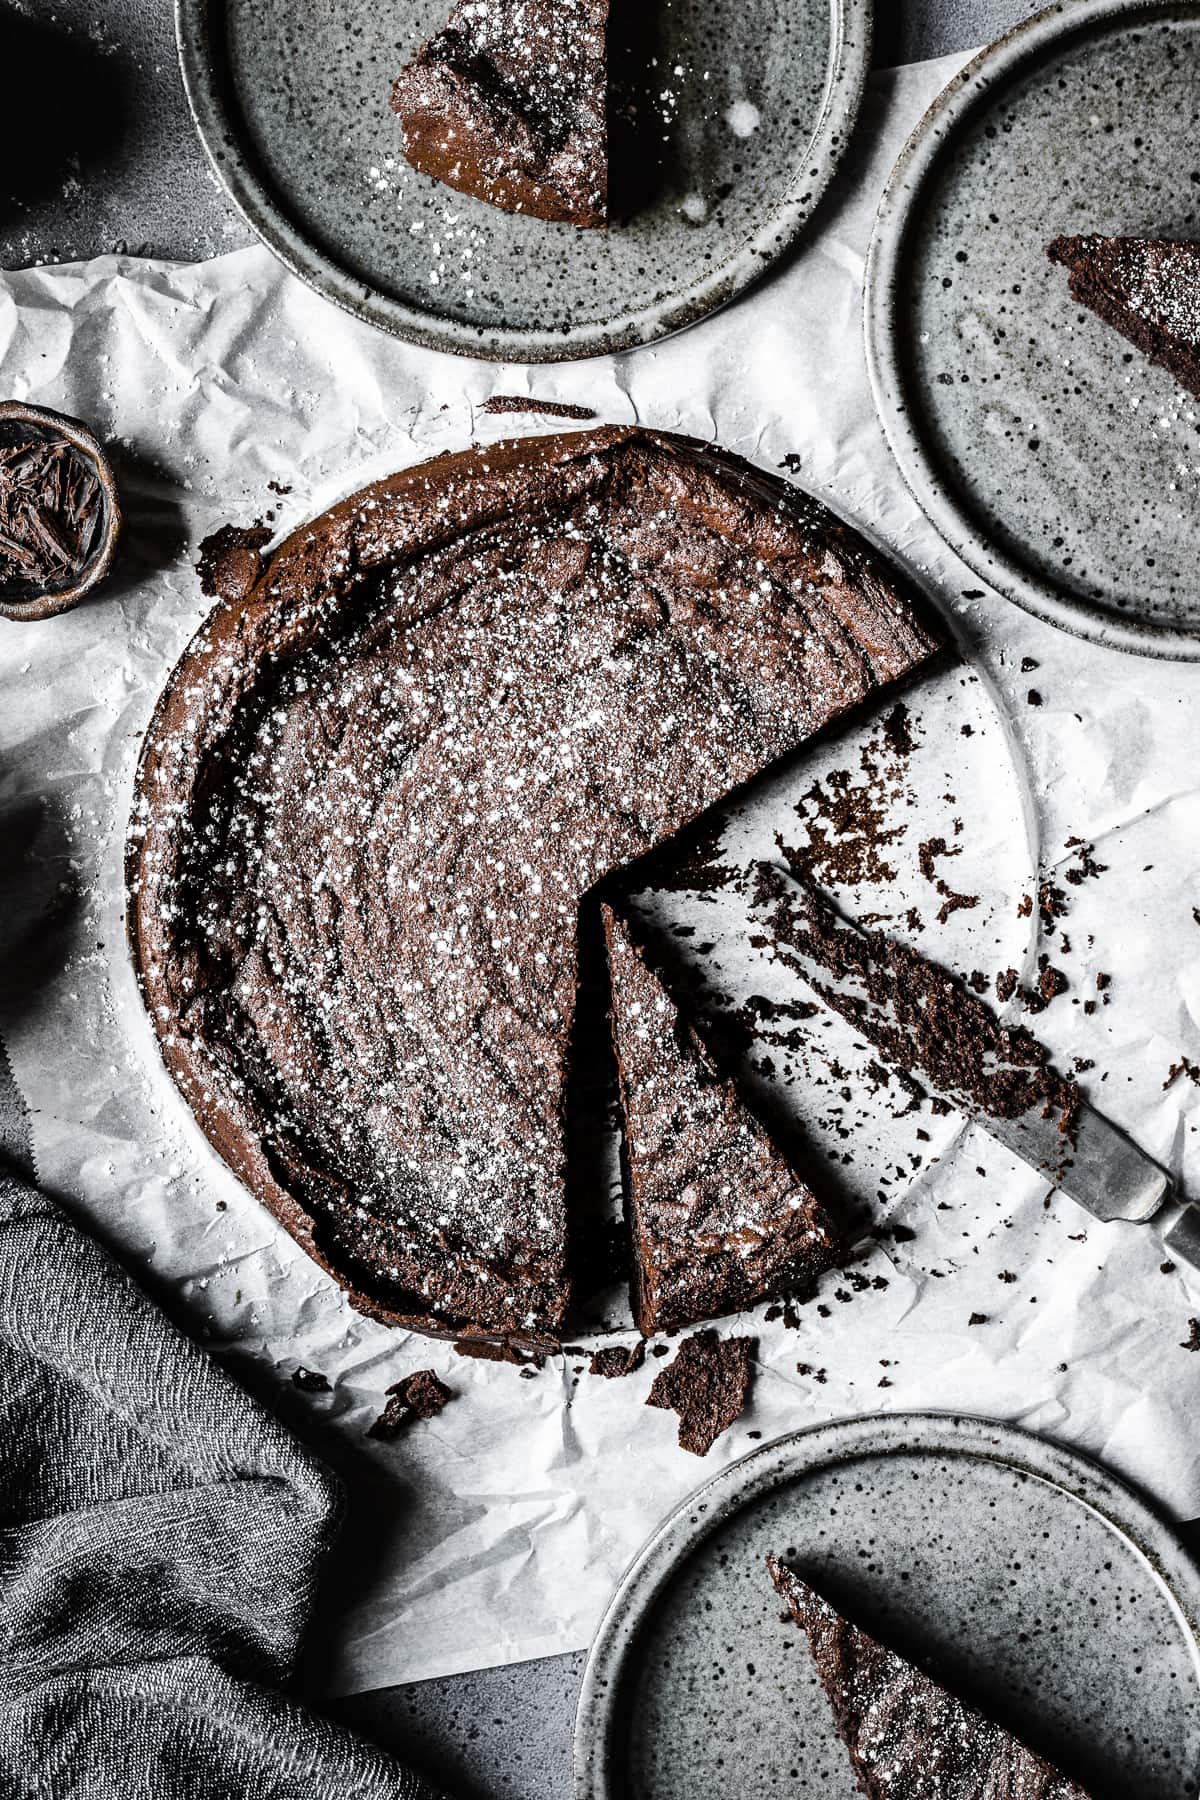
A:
(1148, 289)
(509, 101)
(718, 1218)
(908, 1738)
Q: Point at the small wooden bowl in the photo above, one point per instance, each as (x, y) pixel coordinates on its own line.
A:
(26, 599)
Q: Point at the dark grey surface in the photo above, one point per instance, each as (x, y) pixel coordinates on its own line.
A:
(121, 169)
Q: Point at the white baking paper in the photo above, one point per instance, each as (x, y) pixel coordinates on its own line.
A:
(497, 1531)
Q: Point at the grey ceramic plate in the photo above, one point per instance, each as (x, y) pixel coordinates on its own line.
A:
(1047, 1587)
(1062, 466)
(291, 101)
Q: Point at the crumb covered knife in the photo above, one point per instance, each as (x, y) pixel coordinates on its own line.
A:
(939, 1037)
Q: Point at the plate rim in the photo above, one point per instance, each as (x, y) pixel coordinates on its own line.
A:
(217, 128)
(898, 205)
(1119, 1504)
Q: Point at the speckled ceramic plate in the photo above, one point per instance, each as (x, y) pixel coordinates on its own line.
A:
(748, 104)
(1043, 1583)
(1061, 465)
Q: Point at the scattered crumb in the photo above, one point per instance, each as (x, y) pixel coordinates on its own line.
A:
(418, 1396)
(615, 1360)
(310, 1381)
(524, 403)
(230, 560)
(707, 1384)
(482, 1351)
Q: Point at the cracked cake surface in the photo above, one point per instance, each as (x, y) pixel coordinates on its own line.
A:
(908, 1737)
(718, 1218)
(508, 103)
(377, 786)
(1148, 289)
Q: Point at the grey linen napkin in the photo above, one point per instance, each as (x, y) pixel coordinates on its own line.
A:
(160, 1540)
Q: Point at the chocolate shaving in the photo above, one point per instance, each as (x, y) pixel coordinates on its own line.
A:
(50, 505)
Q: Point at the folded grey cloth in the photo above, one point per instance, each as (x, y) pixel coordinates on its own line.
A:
(160, 1539)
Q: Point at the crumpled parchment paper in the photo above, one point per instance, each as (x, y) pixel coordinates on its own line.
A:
(498, 1530)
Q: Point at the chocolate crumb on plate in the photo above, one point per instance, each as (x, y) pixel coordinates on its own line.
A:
(907, 1736)
(1192, 1341)
(417, 1396)
(707, 1384)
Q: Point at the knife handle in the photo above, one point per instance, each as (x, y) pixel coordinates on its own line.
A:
(1182, 1236)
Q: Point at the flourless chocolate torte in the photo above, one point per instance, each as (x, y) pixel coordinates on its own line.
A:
(1148, 289)
(908, 1737)
(718, 1219)
(377, 787)
(508, 102)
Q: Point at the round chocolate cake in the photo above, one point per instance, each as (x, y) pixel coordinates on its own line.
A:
(378, 785)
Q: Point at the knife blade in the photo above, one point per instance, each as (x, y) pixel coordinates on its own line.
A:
(1094, 1163)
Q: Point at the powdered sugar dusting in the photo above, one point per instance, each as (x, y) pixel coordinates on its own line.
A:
(376, 797)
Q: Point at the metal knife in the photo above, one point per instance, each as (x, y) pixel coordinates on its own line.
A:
(1103, 1170)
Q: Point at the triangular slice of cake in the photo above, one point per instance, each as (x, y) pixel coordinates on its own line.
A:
(908, 1737)
(509, 102)
(718, 1218)
(1148, 289)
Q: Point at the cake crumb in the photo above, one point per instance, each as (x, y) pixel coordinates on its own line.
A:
(310, 1381)
(230, 560)
(527, 403)
(616, 1360)
(417, 1396)
(708, 1385)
